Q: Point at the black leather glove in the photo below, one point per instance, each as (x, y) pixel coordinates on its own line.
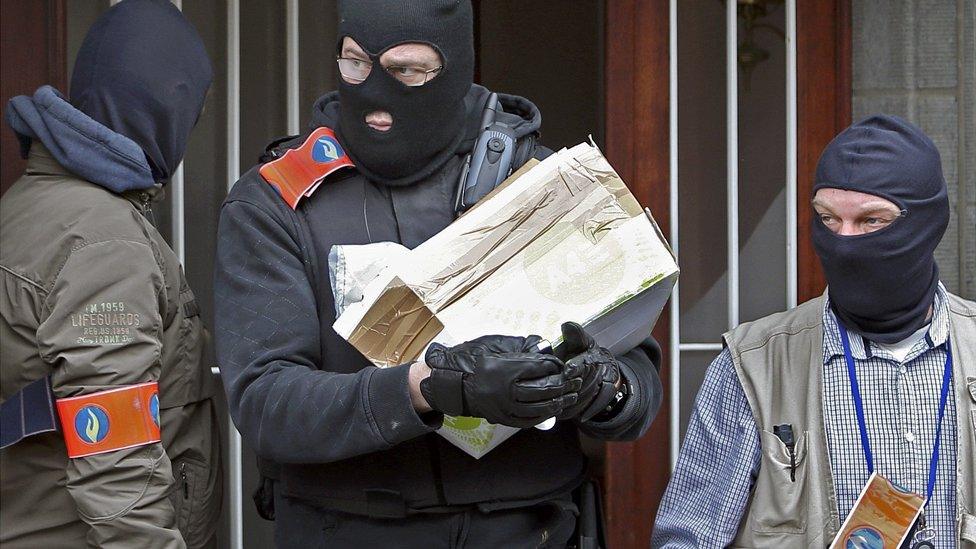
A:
(595, 365)
(502, 379)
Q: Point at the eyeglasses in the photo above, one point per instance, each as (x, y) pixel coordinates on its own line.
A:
(356, 71)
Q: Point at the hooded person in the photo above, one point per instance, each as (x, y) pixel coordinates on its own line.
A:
(882, 284)
(110, 436)
(345, 446)
(874, 377)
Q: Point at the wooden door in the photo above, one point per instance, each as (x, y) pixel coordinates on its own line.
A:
(32, 53)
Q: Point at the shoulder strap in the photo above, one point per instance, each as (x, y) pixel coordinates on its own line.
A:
(277, 148)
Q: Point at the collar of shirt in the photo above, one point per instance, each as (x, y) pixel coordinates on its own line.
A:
(862, 349)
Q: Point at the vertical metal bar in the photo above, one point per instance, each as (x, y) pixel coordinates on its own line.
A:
(234, 447)
(791, 244)
(233, 92)
(176, 201)
(674, 348)
(292, 54)
(732, 158)
(176, 206)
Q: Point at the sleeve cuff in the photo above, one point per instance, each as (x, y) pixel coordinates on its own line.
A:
(391, 410)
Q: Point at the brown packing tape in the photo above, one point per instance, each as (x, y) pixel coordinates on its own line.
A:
(585, 193)
(508, 181)
(528, 216)
(396, 328)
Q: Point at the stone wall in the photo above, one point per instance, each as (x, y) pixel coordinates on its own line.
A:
(915, 59)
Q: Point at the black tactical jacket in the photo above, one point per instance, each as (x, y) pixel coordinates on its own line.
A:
(342, 433)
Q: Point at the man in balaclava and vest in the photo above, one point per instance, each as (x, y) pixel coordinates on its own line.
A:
(348, 452)
(110, 436)
(877, 376)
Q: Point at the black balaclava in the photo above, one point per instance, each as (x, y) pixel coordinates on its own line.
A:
(428, 120)
(143, 72)
(882, 284)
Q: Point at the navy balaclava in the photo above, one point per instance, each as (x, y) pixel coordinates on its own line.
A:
(143, 72)
(881, 284)
(428, 120)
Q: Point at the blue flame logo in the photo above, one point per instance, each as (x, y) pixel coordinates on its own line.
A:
(91, 424)
(326, 149)
(865, 538)
(154, 408)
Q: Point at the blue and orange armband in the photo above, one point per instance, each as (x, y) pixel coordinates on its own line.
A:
(110, 420)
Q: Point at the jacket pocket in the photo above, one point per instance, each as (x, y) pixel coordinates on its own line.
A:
(778, 505)
(967, 530)
(196, 498)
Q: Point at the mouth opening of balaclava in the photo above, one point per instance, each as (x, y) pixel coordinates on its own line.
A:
(428, 120)
(143, 71)
(882, 284)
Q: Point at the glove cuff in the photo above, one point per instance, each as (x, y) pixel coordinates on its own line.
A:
(444, 391)
(610, 374)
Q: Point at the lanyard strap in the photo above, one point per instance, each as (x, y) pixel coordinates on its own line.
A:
(859, 409)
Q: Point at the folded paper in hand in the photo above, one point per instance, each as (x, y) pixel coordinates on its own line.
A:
(562, 241)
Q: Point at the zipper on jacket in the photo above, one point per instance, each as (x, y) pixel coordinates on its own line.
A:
(146, 207)
(186, 487)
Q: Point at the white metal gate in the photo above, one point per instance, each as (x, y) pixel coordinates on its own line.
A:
(678, 346)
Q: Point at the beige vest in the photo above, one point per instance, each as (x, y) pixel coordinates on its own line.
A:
(778, 360)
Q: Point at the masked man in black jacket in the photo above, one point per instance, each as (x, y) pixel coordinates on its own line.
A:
(349, 450)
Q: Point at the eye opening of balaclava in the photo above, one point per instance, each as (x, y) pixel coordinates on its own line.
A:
(428, 120)
(374, 58)
(883, 283)
(143, 72)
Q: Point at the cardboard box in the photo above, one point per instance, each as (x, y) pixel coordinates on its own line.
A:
(564, 240)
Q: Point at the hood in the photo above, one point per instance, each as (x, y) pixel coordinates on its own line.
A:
(83, 146)
(142, 71)
(521, 114)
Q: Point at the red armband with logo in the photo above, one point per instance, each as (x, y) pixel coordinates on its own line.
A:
(110, 420)
(299, 172)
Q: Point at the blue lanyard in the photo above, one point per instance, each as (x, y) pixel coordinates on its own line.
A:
(859, 409)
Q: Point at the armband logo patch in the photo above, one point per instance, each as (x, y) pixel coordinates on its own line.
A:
(327, 149)
(154, 408)
(300, 171)
(110, 420)
(92, 424)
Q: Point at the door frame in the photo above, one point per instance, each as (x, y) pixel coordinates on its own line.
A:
(32, 54)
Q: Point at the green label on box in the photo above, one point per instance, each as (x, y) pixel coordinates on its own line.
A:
(473, 431)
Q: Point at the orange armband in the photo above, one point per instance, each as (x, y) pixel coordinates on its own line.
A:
(110, 420)
(299, 172)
